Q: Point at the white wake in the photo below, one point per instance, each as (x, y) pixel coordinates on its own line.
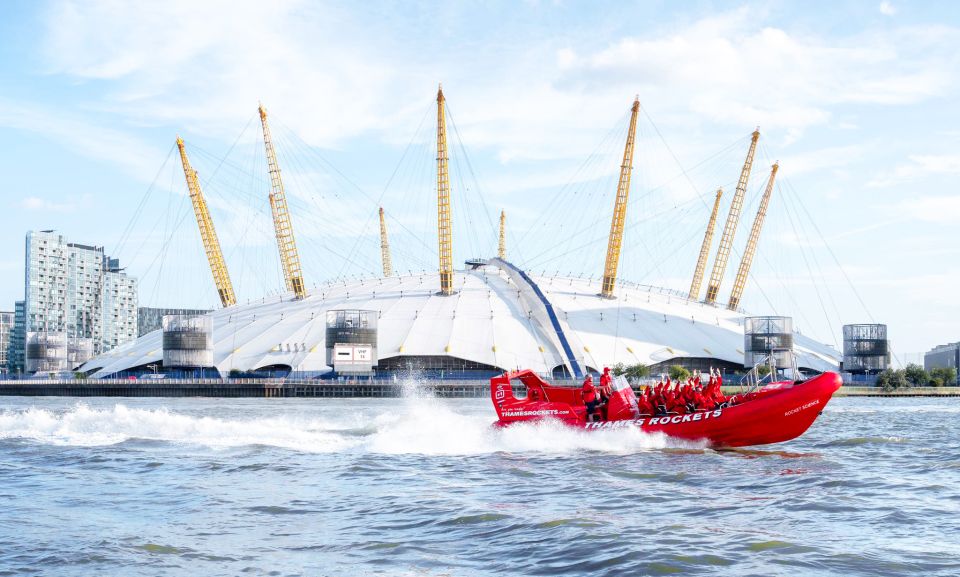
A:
(415, 425)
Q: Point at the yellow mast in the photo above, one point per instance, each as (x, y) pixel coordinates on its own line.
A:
(444, 224)
(620, 209)
(751, 249)
(211, 244)
(730, 228)
(385, 247)
(283, 226)
(705, 250)
(502, 246)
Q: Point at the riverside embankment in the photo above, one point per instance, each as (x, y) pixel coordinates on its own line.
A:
(330, 389)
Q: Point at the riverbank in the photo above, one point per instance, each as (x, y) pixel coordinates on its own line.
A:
(236, 388)
(846, 391)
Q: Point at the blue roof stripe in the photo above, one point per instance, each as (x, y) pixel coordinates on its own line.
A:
(577, 372)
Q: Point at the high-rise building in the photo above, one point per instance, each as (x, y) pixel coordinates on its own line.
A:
(77, 290)
(6, 329)
(17, 347)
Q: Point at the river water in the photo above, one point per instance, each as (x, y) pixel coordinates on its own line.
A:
(424, 487)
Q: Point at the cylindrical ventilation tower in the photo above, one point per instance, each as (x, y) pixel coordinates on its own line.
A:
(351, 341)
(46, 352)
(765, 335)
(79, 351)
(865, 348)
(187, 341)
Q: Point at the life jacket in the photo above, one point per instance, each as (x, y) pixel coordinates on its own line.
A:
(646, 408)
(589, 392)
(700, 401)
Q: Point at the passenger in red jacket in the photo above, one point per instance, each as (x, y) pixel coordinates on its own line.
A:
(649, 395)
(718, 395)
(674, 402)
(700, 402)
(644, 405)
(606, 381)
(590, 397)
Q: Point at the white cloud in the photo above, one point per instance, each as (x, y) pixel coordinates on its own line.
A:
(332, 74)
(918, 166)
(887, 9)
(729, 70)
(45, 205)
(205, 65)
(833, 157)
(931, 209)
(84, 137)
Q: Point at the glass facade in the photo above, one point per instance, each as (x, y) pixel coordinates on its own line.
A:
(763, 336)
(6, 331)
(16, 350)
(865, 348)
(150, 319)
(943, 356)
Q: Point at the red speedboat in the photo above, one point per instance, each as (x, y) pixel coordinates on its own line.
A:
(772, 413)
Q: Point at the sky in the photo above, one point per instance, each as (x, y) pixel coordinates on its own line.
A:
(855, 100)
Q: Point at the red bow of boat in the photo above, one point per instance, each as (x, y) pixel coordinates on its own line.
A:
(773, 413)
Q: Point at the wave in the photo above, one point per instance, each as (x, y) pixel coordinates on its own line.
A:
(416, 425)
(953, 408)
(82, 425)
(856, 441)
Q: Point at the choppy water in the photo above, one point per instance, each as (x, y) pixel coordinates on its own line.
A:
(425, 487)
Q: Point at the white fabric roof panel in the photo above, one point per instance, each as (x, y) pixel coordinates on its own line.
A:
(495, 318)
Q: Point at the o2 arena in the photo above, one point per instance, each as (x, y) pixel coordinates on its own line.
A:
(471, 320)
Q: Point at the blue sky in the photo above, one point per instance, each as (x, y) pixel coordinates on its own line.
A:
(857, 100)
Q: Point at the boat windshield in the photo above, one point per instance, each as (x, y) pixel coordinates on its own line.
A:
(619, 383)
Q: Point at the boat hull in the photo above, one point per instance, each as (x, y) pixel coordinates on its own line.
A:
(773, 414)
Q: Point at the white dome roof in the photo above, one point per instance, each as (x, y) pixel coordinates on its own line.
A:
(498, 316)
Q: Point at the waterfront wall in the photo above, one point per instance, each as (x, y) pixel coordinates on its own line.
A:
(237, 388)
(329, 389)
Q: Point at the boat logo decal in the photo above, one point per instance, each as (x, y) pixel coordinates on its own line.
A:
(798, 409)
(537, 413)
(667, 420)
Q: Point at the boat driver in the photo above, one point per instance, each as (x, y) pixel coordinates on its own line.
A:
(605, 391)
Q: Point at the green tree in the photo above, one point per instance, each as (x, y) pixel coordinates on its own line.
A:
(639, 371)
(678, 373)
(943, 376)
(916, 375)
(891, 380)
(632, 372)
(763, 370)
